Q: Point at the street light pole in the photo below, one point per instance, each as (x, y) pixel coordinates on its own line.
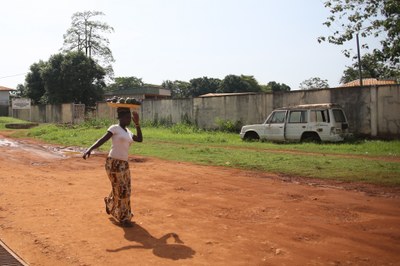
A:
(359, 61)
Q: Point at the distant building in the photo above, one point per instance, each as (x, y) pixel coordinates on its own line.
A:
(4, 100)
(146, 92)
(369, 82)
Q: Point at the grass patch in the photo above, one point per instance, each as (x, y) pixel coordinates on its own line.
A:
(189, 144)
(8, 120)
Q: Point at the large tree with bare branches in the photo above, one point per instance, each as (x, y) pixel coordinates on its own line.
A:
(87, 35)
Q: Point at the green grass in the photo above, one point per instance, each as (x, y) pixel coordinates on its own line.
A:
(6, 120)
(186, 143)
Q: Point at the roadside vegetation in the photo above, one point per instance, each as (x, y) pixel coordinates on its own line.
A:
(370, 161)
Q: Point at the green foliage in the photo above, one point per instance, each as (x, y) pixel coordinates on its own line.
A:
(86, 35)
(368, 18)
(97, 123)
(122, 83)
(242, 83)
(371, 67)
(183, 128)
(34, 88)
(70, 77)
(178, 88)
(228, 126)
(275, 87)
(314, 83)
(204, 85)
(230, 84)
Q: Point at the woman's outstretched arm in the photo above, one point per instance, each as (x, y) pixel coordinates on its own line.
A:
(97, 144)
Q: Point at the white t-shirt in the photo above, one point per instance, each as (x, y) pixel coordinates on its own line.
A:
(121, 140)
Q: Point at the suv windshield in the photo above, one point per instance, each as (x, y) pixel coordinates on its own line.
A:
(339, 116)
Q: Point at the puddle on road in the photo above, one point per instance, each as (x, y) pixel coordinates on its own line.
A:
(7, 143)
(50, 150)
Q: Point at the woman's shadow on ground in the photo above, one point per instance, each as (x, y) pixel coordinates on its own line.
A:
(159, 246)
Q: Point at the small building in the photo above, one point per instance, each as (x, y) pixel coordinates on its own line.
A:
(146, 92)
(4, 100)
(369, 82)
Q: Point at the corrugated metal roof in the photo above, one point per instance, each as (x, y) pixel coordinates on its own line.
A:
(2, 88)
(369, 82)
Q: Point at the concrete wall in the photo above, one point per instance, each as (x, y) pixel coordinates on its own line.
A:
(387, 117)
(247, 109)
(61, 113)
(169, 110)
(373, 110)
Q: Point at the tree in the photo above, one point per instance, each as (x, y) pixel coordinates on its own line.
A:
(242, 83)
(368, 18)
(34, 84)
(65, 78)
(87, 35)
(19, 92)
(121, 83)
(204, 85)
(178, 88)
(314, 83)
(275, 87)
(371, 68)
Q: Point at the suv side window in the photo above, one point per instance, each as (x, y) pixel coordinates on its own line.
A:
(319, 116)
(298, 117)
(277, 117)
(339, 116)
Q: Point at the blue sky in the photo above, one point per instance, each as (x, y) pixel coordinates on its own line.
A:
(160, 40)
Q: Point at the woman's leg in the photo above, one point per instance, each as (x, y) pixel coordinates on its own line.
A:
(118, 202)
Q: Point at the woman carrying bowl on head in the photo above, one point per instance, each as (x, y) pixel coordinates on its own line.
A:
(117, 167)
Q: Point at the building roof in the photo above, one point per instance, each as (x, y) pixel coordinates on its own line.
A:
(369, 82)
(2, 88)
(159, 91)
(226, 94)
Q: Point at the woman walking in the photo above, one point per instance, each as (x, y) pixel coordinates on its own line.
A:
(117, 167)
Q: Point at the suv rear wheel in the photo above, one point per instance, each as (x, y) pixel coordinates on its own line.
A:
(249, 136)
(310, 137)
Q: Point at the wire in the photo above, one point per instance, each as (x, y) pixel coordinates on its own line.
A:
(15, 75)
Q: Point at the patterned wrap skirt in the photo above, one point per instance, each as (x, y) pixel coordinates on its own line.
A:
(118, 203)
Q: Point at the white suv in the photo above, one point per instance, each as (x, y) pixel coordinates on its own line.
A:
(309, 122)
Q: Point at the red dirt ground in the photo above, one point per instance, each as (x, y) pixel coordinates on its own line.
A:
(52, 213)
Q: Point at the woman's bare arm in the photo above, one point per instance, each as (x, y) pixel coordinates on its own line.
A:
(97, 144)
(138, 137)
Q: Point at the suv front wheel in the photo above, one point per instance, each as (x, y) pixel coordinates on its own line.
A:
(249, 136)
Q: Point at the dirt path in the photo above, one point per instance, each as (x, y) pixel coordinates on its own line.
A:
(52, 213)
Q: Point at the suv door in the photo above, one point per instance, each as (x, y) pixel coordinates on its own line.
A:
(275, 126)
(319, 122)
(296, 124)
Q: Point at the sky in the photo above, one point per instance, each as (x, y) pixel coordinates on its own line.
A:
(159, 40)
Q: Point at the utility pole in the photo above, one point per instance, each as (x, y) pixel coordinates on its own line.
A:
(359, 61)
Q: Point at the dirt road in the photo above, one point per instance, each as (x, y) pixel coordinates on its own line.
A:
(52, 213)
